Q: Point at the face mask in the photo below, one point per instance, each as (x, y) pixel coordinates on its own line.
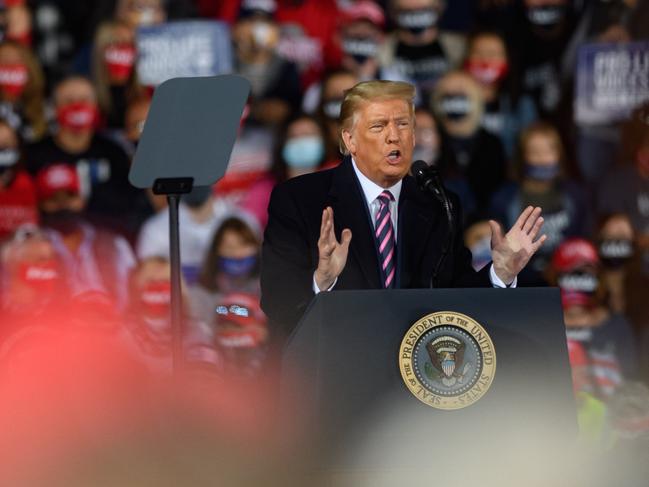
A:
(66, 222)
(78, 116)
(487, 72)
(584, 282)
(360, 49)
(155, 299)
(8, 158)
(481, 253)
(303, 152)
(455, 107)
(417, 21)
(262, 34)
(546, 16)
(541, 173)
(237, 267)
(13, 79)
(147, 16)
(198, 196)
(615, 253)
(120, 59)
(332, 108)
(43, 277)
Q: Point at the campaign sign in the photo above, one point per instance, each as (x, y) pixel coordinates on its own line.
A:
(612, 80)
(183, 49)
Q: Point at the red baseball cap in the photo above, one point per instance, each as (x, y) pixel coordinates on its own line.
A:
(55, 178)
(573, 254)
(363, 10)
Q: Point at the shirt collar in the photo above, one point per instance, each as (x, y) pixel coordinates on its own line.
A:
(371, 190)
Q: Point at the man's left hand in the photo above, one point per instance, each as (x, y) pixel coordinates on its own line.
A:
(511, 252)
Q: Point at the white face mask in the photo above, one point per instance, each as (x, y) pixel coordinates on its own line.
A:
(147, 16)
(262, 34)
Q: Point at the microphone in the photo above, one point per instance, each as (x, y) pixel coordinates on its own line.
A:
(428, 179)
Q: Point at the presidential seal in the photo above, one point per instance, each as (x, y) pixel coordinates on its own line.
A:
(447, 360)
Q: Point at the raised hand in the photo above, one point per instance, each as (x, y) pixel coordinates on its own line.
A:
(332, 254)
(511, 252)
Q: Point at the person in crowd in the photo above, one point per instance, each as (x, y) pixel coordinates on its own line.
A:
(625, 189)
(471, 160)
(300, 149)
(542, 180)
(605, 335)
(18, 203)
(334, 85)
(506, 110)
(92, 259)
(477, 238)
(16, 22)
(360, 36)
(276, 90)
(241, 334)
(137, 13)
(22, 88)
(615, 238)
(199, 216)
(231, 264)
(418, 50)
(148, 319)
(113, 69)
(307, 27)
(101, 163)
(427, 137)
(539, 36)
(32, 282)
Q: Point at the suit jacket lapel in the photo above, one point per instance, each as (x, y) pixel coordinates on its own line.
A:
(350, 211)
(417, 217)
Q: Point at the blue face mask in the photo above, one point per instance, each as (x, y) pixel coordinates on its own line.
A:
(237, 267)
(303, 152)
(541, 173)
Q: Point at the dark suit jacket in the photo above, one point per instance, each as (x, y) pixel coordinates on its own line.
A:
(290, 250)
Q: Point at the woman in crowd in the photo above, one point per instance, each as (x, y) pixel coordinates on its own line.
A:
(541, 181)
(231, 265)
(300, 149)
(605, 335)
(113, 66)
(506, 111)
(22, 90)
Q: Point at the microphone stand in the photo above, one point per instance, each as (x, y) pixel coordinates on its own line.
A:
(429, 181)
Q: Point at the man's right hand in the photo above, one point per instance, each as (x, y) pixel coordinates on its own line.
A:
(332, 254)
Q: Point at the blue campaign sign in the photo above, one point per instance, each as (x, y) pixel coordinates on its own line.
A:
(183, 49)
(612, 80)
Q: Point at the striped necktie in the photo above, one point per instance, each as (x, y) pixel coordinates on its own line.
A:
(384, 234)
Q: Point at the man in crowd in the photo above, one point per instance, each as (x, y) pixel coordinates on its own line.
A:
(101, 164)
(397, 230)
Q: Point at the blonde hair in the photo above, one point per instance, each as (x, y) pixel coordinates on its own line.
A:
(368, 91)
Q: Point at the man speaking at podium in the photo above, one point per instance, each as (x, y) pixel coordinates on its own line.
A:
(366, 225)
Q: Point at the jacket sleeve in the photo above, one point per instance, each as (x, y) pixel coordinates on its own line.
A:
(287, 265)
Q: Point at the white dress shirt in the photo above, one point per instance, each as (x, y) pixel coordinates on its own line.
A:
(371, 191)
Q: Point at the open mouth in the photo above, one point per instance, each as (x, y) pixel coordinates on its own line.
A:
(394, 156)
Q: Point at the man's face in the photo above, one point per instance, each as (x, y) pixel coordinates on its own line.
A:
(381, 140)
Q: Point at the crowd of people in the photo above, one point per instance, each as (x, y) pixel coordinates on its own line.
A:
(494, 113)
